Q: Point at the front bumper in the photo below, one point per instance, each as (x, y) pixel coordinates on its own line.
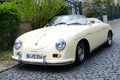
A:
(43, 61)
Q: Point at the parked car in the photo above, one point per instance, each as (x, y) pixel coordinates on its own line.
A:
(66, 39)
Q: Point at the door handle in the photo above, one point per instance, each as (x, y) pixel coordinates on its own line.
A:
(104, 28)
(88, 33)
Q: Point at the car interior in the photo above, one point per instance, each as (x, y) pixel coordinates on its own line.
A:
(93, 21)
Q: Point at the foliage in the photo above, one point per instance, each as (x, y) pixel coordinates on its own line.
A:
(64, 10)
(9, 22)
(38, 12)
(6, 56)
(119, 2)
(89, 12)
(103, 2)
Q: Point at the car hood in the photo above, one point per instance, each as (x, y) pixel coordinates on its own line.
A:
(44, 37)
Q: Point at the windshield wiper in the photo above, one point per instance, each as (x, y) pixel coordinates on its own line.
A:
(74, 24)
(60, 23)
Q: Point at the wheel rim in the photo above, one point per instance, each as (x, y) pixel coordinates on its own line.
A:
(109, 39)
(81, 53)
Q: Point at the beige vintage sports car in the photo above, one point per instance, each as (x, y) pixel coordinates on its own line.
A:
(66, 39)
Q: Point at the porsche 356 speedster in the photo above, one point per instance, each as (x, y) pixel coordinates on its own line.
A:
(66, 39)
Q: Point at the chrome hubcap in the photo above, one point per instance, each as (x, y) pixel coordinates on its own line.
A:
(109, 39)
(81, 53)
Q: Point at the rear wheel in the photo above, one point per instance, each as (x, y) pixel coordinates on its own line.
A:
(80, 53)
(109, 39)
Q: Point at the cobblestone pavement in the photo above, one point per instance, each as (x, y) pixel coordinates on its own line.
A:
(102, 64)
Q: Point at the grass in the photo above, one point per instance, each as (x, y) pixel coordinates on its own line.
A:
(6, 56)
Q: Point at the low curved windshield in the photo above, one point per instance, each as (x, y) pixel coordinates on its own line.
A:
(69, 20)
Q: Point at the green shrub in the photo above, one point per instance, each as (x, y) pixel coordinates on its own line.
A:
(90, 12)
(9, 21)
(64, 10)
(38, 12)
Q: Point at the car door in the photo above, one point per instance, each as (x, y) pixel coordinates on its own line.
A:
(96, 35)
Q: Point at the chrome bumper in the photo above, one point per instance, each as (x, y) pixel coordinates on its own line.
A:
(43, 62)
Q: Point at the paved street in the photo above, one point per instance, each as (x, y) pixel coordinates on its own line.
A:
(102, 64)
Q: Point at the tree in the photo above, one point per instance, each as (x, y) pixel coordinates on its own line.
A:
(38, 12)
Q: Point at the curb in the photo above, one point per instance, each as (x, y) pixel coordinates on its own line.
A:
(113, 22)
(9, 67)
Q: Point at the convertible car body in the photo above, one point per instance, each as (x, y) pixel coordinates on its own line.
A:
(66, 39)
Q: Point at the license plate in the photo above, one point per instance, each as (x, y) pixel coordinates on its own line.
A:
(34, 56)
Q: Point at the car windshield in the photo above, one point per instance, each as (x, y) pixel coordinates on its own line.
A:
(69, 20)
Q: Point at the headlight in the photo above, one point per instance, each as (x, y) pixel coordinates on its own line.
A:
(18, 44)
(60, 45)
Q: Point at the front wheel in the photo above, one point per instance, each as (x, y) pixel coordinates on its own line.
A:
(80, 53)
(109, 39)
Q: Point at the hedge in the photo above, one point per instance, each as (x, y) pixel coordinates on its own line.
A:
(9, 21)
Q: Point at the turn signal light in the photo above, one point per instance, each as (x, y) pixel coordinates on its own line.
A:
(57, 55)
